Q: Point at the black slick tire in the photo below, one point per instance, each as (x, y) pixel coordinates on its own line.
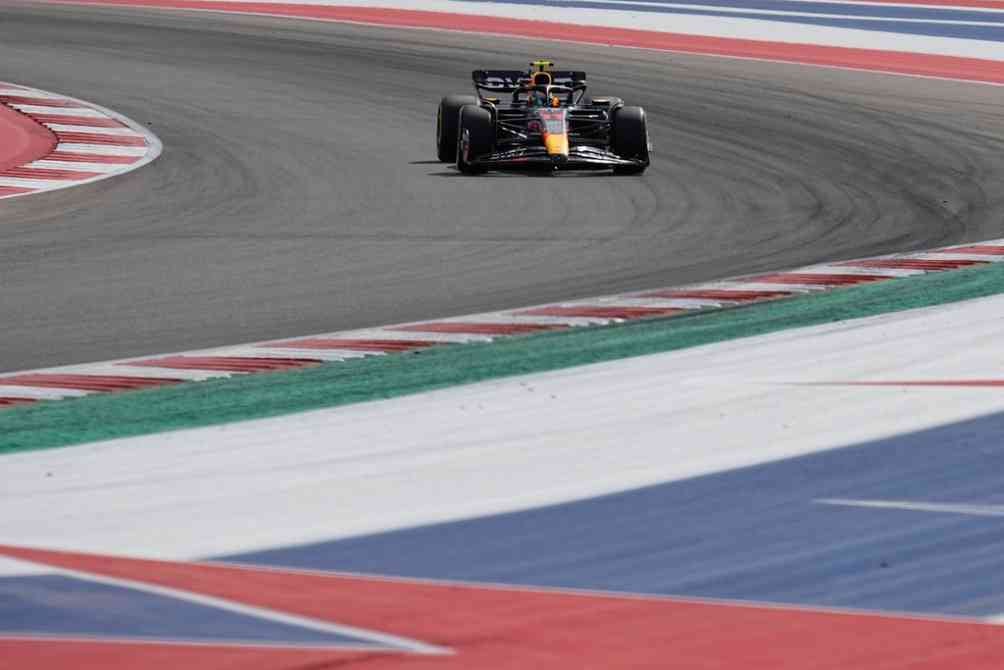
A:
(630, 139)
(446, 125)
(475, 137)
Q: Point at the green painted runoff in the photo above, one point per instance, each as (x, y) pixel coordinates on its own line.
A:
(101, 417)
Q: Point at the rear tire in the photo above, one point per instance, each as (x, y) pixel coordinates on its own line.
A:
(446, 125)
(630, 139)
(475, 137)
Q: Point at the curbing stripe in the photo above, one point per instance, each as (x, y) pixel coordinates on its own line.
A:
(101, 150)
(98, 138)
(227, 363)
(25, 185)
(381, 346)
(120, 370)
(846, 270)
(624, 313)
(821, 279)
(292, 353)
(720, 294)
(61, 156)
(86, 121)
(332, 348)
(915, 263)
(85, 382)
(91, 142)
(32, 110)
(28, 172)
(97, 130)
(78, 166)
(45, 101)
(981, 249)
(479, 328)
(39, 393)
(8, 190)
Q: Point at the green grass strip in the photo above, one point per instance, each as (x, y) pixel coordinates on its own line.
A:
(101, 417)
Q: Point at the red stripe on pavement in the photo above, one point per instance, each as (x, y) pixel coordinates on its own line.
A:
(10, 402)
(22, 140)
(97, 138)
(387, 346)
(85, 382)
(952, 67)
(47, 654)
(601, 312)
(974, 383)
(38, 102)
(46, 173)
(913, 264)
(226, 363)
(72, 157)
(497, 628)
(979, 249)
(479, 328)
(15, 190)
(78, 121)
(813, 279)
(720, 294)
(981, 4)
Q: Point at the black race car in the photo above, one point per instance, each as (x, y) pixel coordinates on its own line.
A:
(548, 122)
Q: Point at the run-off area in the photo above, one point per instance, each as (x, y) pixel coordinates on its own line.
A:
(848, 466)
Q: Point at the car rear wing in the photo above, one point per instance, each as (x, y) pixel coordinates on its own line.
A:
(510, 81)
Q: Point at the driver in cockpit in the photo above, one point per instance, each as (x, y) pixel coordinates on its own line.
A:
(539, 92)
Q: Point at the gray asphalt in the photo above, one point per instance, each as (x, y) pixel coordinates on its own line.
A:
(297, 192)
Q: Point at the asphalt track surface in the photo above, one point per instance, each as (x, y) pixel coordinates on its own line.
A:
(297, 192)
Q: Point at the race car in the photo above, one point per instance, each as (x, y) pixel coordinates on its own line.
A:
(548, 122)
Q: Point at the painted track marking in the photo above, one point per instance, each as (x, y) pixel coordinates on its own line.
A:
(906, 505)
(92, 142)
(410, 338)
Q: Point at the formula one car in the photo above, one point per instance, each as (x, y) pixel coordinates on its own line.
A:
(549, 123)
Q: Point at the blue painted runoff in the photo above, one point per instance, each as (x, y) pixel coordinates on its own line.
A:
(57, 605)
(756, 533)
(907, 21)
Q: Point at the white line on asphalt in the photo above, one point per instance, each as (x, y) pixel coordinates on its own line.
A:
(35, 183)
(65, 128)
(914, 506)
(58, 111)
(77, 167)
(100, 149)
(39, 392)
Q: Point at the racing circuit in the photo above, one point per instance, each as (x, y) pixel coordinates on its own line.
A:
(247, 228)
(298, 193)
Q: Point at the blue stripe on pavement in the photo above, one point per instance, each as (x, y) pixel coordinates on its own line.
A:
(930, 25)
(749, 534)
(57, 605)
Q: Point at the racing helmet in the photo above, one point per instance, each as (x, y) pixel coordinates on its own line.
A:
(537, 96)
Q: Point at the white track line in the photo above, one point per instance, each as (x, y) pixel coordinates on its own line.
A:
(93, 130)
(71, 165)
(914, 506)
(100, 149)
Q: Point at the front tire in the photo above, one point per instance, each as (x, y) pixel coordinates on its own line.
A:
(446, 125)
(475, 137)
(630, 139)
